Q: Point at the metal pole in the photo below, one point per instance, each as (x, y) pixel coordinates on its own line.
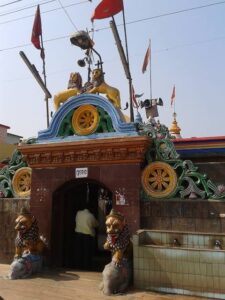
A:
(45, 80)
(35, 73)
(174, 110)
(100, 59)
(130, 79)
(150, 68)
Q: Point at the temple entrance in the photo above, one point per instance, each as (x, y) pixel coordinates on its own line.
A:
(67, 200)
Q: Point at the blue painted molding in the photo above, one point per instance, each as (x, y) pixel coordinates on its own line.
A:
(121, 128)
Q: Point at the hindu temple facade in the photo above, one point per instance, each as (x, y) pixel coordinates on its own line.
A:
(90, 153)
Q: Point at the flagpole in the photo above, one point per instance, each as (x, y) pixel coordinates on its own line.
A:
(129, 79)
(150, 69)
(174, 99)
(37, 41)
(108, 8)
(45, 78)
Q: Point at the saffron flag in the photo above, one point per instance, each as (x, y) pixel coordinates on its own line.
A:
(146, 60)
(107, 8)
(37, 30)
(173, 95)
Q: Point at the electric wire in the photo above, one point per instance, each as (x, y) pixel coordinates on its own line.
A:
(25, 8)
(127, 23)
(9, 3)
(68, 16)
(107, 27)
(43, 12)
(29, 7)
(166, 14)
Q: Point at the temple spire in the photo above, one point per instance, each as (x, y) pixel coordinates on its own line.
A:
(175, 129)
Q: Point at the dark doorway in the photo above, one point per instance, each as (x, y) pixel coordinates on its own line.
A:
(67, 200)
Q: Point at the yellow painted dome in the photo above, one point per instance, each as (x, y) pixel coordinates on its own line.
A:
(175, 129)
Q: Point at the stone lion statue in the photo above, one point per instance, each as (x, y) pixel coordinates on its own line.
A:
(74, 88)
(27, 239)
(100, 86)
(29, 246)
(117, 275)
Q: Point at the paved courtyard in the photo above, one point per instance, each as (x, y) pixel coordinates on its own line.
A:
(68, 284)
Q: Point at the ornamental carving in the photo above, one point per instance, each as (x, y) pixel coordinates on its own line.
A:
(92, 152)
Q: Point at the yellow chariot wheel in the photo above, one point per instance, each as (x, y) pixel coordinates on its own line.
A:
(159, 179)
(85, 119)
(21, 182)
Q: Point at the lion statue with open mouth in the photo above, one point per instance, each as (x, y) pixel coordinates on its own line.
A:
(29, 246)
(28, 239)
(117, 275)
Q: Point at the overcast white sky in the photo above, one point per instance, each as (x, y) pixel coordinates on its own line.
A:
(187, 50)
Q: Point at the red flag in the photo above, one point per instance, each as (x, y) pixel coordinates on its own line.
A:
(173, 95)
(107, 8)
(36, 31)
(146, 60)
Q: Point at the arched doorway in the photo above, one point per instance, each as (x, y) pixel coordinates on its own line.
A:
(67, 200)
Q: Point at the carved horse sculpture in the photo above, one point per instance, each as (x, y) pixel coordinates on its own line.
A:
(73, 89)
(100, 86)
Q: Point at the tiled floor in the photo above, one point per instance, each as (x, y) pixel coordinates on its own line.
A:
(68, 284)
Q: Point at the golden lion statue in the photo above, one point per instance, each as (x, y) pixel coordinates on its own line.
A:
(73, 89)
(28, 239)
(101, 87)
